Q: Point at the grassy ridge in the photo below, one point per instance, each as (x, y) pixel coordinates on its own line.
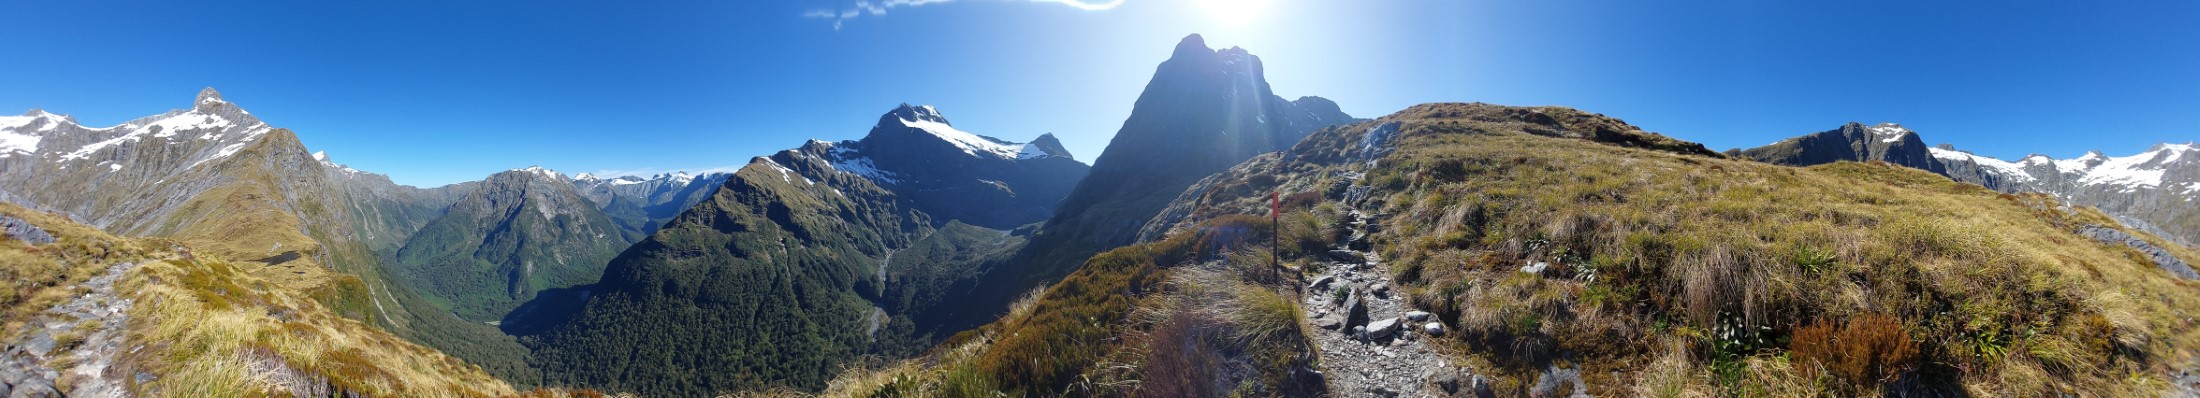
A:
(204, 326)
(1672, 272)
(1160, 318)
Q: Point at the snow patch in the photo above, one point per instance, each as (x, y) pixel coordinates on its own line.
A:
(971, 144)
(849, 161)
(11, 141)
(1998, 166)
(189, 121)
(1030, 151)
(545, 173)
(785, 174)
(1888, 132)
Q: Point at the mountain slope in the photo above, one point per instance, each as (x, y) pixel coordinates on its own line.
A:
(178, 323)
(1204, 111)
(215, 177)
(518, 233)
(2153, 190)
(1552, 256)
(788, 270)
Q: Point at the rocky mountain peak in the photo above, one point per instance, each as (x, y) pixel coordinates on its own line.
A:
(1045, 145)
(208, 100)
(538, 171)
(911, 113)
(1192, 44)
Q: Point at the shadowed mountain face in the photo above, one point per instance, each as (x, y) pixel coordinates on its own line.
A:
(789, 269)
(1204, 111)
(1887, 142)
(2153, 190)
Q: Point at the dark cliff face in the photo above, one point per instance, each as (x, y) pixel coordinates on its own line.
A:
(2151, 191)
(1853, 142)
(1204, 111)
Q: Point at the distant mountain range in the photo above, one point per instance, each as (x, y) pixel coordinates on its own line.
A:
(2155, 190)
(801, 263)
(779, 276)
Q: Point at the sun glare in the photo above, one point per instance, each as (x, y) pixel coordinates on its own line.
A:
(1234, 13)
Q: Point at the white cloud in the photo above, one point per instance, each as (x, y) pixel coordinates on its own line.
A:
(878, 8)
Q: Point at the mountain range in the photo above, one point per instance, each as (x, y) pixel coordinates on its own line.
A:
(2153, 190)
(1509, 250)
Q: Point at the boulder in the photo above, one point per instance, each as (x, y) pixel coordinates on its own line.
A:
(1328, 322)
(1322, 283)
(1447, 382)
(1355, 309)
(1433, 329)
(1382, 328)
(1358, 241)
(33, 387)
(1380, 289)
(16, 228)
(1417, 316)
(2162, 258)
(1348, 257)
(1535, 268)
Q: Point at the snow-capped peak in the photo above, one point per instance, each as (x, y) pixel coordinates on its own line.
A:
(927, 119)
(320, 155)
(539, 170)
(2005, 168)
(1888, 132)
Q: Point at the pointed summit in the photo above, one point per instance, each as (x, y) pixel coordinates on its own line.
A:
(210, 95)
(1045, 145)
(911, 113)
(1192, 44)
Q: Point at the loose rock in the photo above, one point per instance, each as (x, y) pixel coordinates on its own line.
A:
(1417, 316)
(1322, 283)
(1348, 256)
(1383, 328)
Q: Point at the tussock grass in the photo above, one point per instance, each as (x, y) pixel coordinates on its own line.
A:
(1671, 272)
(203, 326)
(1647, 238)
(39, 277)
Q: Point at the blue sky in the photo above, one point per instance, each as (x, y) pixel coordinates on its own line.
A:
(440, 92)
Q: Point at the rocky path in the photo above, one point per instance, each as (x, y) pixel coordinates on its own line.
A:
(1371, 342)
(72, 346)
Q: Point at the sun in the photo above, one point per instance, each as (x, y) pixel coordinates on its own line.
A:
(1234, 13)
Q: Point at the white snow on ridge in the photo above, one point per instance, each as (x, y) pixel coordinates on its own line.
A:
(1888, 132)
(2135, 171)
(2079, 165)
(970, 143)
(1029, 151)
(188, 121)
(11, 141)
(539, 170)
(785, 174)
(848, 161)
(2005, 168)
